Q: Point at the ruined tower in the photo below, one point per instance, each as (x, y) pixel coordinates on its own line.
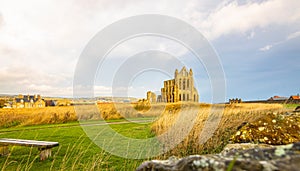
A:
(181, 88)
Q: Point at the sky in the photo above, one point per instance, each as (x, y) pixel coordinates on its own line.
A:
(257, 43)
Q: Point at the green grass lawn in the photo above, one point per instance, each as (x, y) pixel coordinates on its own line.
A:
(291, 106)
(75, 152)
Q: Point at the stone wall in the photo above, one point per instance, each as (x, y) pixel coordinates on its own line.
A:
(284, 157)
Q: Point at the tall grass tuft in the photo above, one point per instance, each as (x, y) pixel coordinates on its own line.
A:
(232, 117)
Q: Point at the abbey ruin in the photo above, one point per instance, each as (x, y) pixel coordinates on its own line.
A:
(181, 88)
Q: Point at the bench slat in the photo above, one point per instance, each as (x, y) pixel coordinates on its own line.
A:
(44, 146)
(22, 140)
(34, 143)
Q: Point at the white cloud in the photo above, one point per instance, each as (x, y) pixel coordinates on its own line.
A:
(293, 35)
(18, 79)
(49, 90)
(102, 90)
(289, 37)
(266, 48)
(232, 17)
(47, 37)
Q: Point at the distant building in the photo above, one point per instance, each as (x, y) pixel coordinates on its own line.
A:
(7, 105)
(28, 101)
(151, 97)
(181, 88)
(236, 100)
(277, 98)
(294, 99)
(50, 103)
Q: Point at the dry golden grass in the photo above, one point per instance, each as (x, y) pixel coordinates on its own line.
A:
(47, 115)
(229, 120)
(63, 114)
(34, 116)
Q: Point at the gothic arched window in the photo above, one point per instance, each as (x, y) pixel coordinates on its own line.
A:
(179, 83)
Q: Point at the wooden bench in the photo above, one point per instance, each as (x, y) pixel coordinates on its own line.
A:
(43, 146)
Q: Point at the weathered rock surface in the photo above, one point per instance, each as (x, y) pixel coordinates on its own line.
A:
(275, 129)
(283, 157)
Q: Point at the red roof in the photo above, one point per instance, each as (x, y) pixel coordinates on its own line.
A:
(295, 97)
(278, 98)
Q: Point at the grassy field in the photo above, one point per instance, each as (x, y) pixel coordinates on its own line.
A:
(64, 114)
(291, 106)
(78, 152)
(212, 127)
(75, 152)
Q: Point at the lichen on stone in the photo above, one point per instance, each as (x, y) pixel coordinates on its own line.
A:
(284, 157)
(274, 129)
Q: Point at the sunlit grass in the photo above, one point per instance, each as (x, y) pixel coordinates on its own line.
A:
(63, 114)
(229, 120)
(78, 152)
(75, 152)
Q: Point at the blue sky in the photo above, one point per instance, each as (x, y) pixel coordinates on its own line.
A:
(257, 43)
